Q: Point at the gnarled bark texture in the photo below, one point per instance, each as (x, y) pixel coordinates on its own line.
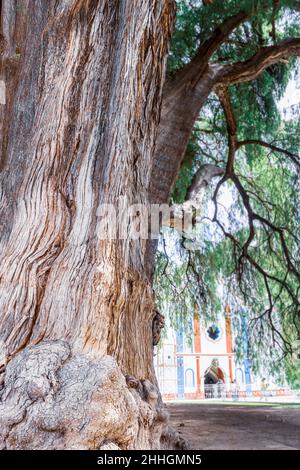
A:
(84, 118)
(83, 81)
(53, 400)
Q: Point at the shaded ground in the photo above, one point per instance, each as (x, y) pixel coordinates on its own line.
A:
(237, 426)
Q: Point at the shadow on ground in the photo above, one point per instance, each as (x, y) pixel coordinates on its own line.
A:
(237, 426)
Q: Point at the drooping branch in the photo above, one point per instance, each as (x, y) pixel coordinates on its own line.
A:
(274, 148)
(242, 253)
(183, 99)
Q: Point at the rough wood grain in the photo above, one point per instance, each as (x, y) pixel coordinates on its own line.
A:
(84, 120)
(83, 82)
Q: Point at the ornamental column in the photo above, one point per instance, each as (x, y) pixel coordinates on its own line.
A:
(197, 343)
(229, 339)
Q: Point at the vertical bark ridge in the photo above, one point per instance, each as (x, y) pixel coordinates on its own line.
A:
(92, 126)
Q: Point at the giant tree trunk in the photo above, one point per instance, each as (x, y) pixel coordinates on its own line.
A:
(83, 83)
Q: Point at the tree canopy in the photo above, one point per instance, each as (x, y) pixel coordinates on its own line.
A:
(251, 246)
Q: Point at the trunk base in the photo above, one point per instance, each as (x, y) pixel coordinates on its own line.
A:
(51, 399)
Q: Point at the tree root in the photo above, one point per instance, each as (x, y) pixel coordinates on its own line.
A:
(54, 400)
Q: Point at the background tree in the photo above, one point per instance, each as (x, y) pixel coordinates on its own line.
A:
(85, 122)
(252, 246)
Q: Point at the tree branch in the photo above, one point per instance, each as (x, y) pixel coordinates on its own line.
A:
(202, 179)
(224, 98)
(196, 67)
(184, 97)
(274, 148)
(253, 216)
(180, 214)
(253, 67)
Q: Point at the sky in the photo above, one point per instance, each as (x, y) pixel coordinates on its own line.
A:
(291, 96)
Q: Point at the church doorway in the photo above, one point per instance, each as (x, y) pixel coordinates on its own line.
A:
(214, 381)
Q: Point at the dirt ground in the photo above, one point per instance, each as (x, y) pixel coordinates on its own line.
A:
(237, 426)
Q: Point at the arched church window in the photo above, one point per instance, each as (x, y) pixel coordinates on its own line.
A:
(189, 378)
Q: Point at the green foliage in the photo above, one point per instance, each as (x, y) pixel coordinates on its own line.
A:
(183, 278)
(195, 23)
(186, 172)
(270, 179)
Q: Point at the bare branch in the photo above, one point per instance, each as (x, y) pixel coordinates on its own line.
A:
(269, 227)
(295, 159)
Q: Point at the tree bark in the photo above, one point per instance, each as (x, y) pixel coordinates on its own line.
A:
(83, 84)
(85, 121)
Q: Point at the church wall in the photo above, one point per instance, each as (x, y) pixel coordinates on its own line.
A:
(180, 370)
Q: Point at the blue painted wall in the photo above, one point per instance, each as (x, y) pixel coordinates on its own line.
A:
(247, 362)
(180, 366)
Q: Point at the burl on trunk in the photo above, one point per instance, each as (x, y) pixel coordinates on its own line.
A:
(81, 94)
